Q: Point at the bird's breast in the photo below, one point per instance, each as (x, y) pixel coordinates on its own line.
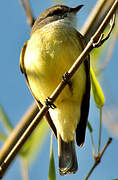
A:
(50, 52)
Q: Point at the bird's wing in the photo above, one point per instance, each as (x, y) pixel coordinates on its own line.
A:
(22, 54)
(81, 127)
(22, 68)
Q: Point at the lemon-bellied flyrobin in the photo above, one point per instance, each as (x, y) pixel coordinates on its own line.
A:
(53, 47)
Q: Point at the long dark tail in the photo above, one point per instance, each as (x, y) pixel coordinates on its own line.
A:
(67, 157)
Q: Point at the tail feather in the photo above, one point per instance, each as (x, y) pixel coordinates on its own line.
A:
(67, 157)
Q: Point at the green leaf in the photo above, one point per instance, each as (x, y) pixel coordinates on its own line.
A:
(89, 127)
(52, 174)
(35, 142)
(97, 91)
(2, 137)
(5, 120)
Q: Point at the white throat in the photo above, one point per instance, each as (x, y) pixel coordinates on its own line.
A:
(70, 20)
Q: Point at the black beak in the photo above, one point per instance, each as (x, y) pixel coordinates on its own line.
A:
(76, 9)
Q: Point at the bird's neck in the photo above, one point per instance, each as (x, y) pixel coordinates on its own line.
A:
(69, 21)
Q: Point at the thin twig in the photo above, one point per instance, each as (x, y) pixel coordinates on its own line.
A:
(109, 54)
(105, 147)
(27, 9)
(8, 159)
(93, 146)
(100, 132)
(24, 169)
(98, 158)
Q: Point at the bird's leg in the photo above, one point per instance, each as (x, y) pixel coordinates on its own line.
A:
(49, 103)
(66, 79)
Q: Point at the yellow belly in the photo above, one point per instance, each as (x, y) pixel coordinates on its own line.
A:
(50, 53)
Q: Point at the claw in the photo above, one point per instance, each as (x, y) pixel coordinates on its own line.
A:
(66, 79)
(49, 104)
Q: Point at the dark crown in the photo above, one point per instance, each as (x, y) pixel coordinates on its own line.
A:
(52, 14)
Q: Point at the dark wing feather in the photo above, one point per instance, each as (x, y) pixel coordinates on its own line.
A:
(22, 67)
(81, 127)
(22, 54)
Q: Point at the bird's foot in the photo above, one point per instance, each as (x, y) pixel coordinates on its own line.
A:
(66, 79)
(49, 104)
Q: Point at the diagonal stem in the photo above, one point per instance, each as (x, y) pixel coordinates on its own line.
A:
(24, 169)
(100, 132)
(93, 146)
(26, 6)
(98, 159)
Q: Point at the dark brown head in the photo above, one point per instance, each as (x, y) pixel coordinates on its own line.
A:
(55, 13)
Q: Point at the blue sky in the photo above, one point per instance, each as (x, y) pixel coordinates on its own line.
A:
(16, 98)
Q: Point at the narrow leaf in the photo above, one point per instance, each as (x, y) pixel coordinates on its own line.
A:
(2, 137)
(97, 91)
(52, 174)
(7, 124)
(24, 169)
(33, 145)
(89, 127)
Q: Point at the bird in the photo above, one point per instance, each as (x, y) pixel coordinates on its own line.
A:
(53, 46)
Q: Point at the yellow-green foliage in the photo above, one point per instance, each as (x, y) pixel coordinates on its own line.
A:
(52, 174)
(33, 145)
(97, 91)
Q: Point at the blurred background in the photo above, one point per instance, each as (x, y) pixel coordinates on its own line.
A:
(15, 97)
